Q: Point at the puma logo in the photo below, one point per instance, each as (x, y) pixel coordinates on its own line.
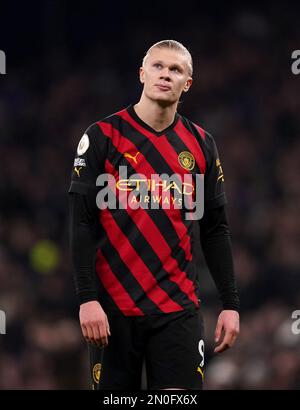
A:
(201, 372)
(77, 170)
(127, 155)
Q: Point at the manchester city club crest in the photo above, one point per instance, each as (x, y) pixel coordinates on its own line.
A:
(186, 160)
(97, 372)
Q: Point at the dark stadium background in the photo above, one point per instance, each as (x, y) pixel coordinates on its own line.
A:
(69, 65)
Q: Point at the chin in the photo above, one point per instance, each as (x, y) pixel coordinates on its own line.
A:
(163, 99)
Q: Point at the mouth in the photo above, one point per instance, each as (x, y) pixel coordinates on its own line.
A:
(163, 87)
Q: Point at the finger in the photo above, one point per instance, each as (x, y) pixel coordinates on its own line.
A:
(221, 348)
(226, 343)
(234, 336)
(103, 334)
(84, 331)
(96, 334)
(107, 326)
(90, 336)
(218, 331)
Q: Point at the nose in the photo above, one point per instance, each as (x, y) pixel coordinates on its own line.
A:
(164, 74)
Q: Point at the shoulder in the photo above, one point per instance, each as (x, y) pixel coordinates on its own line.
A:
(105, 126)
(193, 127)
(204, 138)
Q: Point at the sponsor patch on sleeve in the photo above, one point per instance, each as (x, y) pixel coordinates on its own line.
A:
(83, 145)
(79, 162)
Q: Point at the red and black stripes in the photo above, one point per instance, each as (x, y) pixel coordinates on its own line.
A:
(145, 261)
(148, 164)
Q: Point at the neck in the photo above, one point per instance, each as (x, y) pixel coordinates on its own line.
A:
(156, 116)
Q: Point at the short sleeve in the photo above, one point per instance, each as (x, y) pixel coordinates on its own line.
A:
(214, 190)
(89, 160)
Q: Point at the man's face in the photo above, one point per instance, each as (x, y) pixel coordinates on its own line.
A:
(165, 75)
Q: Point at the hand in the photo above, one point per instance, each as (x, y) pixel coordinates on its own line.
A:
(94, 323)
(228, 324)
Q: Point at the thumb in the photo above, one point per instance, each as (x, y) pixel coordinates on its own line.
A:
(218, 330)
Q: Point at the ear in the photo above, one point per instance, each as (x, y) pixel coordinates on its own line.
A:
(188, 84)
(142, 75)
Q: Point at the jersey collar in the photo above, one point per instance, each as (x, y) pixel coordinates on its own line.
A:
(134, 115)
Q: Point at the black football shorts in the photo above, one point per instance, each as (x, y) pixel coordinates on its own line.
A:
(171, 345)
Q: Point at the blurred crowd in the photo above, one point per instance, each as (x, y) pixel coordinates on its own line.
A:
(245, 94)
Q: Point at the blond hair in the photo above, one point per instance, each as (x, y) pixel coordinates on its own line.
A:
(173, 45)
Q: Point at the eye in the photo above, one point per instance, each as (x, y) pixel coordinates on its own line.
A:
(157, 65)
(175, 69)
